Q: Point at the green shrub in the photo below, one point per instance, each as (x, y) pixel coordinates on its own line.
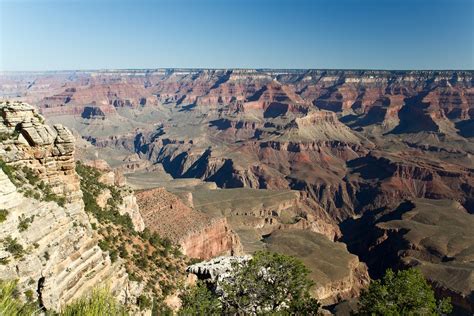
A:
(3, 215)
(98, 303)
(24, 222)
(10, 304)
(113, 255)
(29, 294)
(13, 247)
(30, 175)
(198, 300)
(49, 195)
(10, 171)
(405, 292)
(160, 309)
(144, 302)
(283, 287)
(4, 136)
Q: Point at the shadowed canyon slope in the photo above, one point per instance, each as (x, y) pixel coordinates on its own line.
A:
(271, 152)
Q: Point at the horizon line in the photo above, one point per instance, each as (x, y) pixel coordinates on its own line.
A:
(234, 68)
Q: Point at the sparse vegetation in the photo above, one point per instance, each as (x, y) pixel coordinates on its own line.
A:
(11, 305)
(10, 171)
(91, 188)
(149, 258)
(404, 292)
(30, 175)
(12, 246)
(4, 136)
(48, 194)
(29, 294)
(3, 215)
(30, 184)
(99, 302)
(24, 222)
(144, 302)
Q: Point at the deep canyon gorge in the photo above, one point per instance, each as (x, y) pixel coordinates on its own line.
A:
(351, 171)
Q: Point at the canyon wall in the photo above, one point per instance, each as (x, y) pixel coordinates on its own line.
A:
(199, 235)
(48, 244)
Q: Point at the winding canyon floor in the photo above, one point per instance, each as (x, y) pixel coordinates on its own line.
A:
(351, 171)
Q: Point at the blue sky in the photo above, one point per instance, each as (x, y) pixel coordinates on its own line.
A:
(355, 34)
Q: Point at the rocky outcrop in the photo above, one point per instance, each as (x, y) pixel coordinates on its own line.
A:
(48, 151)
(216, 269)
(115, 178)
(48, 246)
(198, 234)
(129, 206)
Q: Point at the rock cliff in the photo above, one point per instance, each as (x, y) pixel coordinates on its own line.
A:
(200, 235)
(47, 241)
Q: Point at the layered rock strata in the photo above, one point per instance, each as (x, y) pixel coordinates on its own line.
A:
(198, 234)
(50, 249)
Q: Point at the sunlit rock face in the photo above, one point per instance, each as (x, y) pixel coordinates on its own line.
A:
(57, 257)
(199, 235)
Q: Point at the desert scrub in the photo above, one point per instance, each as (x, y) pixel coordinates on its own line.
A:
(30, 175)
(148, 257)
(10, 303)
(13, 247)
(3, 215)
(48, 194)
(4, 136)
(24, 222)
(91, 188)
(10, 171)
(29, 183)
(99, 302)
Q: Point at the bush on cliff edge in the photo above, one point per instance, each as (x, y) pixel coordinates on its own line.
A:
(404, 292)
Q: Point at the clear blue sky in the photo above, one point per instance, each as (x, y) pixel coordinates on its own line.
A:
(381, 34)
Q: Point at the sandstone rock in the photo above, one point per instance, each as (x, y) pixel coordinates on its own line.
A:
(108, 178)
(60, 260)
(103, 197)
(9, 197)
(216, 269)
(50, 152)
(200, 235)
(130, 206)
(98, 164)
